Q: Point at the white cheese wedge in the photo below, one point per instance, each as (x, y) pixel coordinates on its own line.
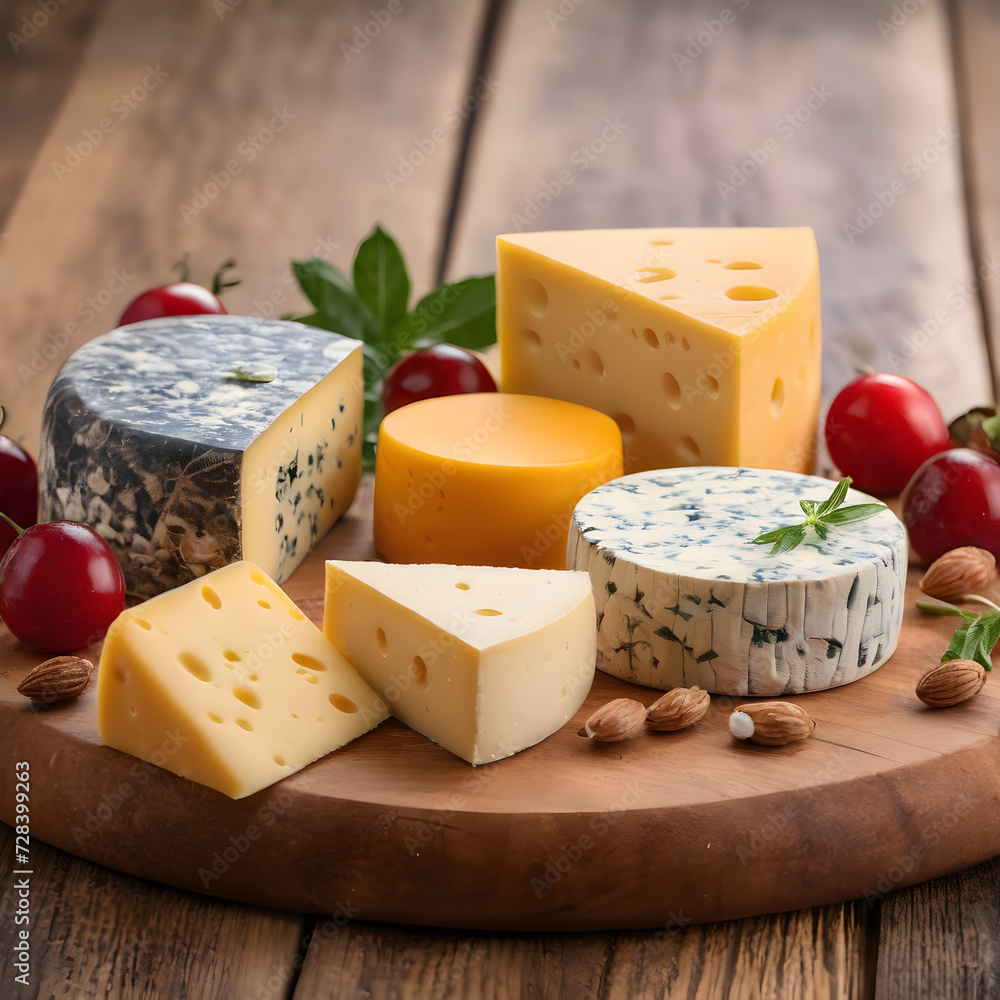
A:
(684, 596)
(484, 661)
(226, 682)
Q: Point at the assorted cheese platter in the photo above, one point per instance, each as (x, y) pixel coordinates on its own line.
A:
(449, 709)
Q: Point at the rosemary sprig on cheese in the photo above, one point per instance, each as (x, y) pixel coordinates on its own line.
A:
(820, 516)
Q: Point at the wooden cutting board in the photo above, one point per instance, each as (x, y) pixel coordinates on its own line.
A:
(663, 830)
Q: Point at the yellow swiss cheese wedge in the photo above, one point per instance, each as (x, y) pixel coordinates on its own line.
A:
(488, 479)
(226, 682)
(703, 344)
(483, 660)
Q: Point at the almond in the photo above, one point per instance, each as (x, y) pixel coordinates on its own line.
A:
(951, 683)
(677, 709)
(617, 720)
(771, 723)
(57, 679)
(966, 570)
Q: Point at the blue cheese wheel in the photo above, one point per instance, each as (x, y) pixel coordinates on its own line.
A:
(182, 466)
(684, 597)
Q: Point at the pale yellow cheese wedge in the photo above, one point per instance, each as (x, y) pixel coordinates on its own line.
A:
(226, 682)
(483, 660)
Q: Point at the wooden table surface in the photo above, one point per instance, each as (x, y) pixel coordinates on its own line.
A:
(134, 130)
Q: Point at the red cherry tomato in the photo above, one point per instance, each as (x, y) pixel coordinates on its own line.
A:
(881, 428)
(18, 490)
(953, 499)
(441, 370)
(60, 586)
(184, 298)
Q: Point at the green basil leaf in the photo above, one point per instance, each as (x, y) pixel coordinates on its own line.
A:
(772, 536)
(956, 646)
(381, 281)
(808, 507)
(791, 538)
(338, 307)
(462, 313)
(980, 638)
(836, 498)
(821, 529)
(932, 607)
(859, 512)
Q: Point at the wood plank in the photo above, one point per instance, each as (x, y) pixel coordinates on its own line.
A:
(95, 932)
(941, 939)
(632, 121)
(976, 34)
(813, 955)
(253, 134)
(401, 829)
(35, 75)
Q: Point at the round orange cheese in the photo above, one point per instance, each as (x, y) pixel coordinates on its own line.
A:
(488, 479)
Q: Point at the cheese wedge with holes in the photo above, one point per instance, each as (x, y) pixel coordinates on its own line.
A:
(483, 660)
(226, 682)
(703, 344)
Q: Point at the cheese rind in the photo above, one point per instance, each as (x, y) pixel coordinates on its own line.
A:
(704, 344)
(487, 478)
(684, 597)
(226, 682)
(483, 660)
(180, 469)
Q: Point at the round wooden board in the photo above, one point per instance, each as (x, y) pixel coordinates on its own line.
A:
(659, 831)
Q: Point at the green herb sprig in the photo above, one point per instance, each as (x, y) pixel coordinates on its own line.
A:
(973, 641)
(820, 516)
(373, 308)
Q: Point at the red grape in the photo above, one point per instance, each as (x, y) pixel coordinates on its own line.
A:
(60, 586)
(879, 430)
(953, 499)
(441, 370)
(18, 490)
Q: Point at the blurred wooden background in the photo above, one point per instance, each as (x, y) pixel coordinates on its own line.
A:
(134, 130)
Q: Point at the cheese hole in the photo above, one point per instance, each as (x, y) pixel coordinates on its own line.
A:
(461, 586)
(672, 390)
(594, 363)
(488, 612)
(626, 425)
(688, 449)
(122, 674)
(142, 623)
(255, 574)
(535, 297)
(656, 274)
(265, 605)
(576, 364)
(661, 243)
(777, 398)
(243, 724)
(195, 666)
(750, 293)
(232, 655)
(295, 715)
(296, 614)
(685, 346)
(712, 387)
(310, 662)
(212, 717)
(650, 337)
(419, 670)
(742, 265)
(311, 678)
(211, 597)
(713, 260)
(279, 760)
(254, 677)
(343, 704)
(249, 698)
(667, 298)
(671, 339)
(532, 339)
(380, 642)
(132, 711)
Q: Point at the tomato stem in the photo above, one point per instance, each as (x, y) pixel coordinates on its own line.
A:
(16, 527)
(3, 415)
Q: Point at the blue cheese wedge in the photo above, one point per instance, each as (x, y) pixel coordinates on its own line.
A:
(189, 443)
(684, 597)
